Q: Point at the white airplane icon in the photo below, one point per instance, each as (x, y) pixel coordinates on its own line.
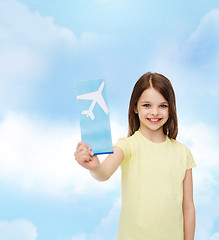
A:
(97, 98)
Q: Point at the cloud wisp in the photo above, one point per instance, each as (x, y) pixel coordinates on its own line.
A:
(203, 142)
(192, 63)
(107, 228)
(30, 50)
(17, 230)
(38, 156)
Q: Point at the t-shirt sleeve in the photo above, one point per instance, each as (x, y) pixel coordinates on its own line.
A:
(124, 145)
(190, 160)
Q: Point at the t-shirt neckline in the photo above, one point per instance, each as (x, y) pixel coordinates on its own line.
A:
(151, 142)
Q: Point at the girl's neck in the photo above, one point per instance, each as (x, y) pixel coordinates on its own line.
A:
(153, 136)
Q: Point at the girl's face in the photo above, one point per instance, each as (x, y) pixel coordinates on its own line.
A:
(153, 112)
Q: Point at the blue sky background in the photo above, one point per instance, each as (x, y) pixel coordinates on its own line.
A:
(45, 46)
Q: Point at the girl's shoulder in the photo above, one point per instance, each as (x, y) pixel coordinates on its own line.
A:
(180, 147)
(126, 144)
(178, 144)
(129, 139)
(185, 152)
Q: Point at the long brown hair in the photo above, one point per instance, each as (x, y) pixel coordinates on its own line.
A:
(164, 87)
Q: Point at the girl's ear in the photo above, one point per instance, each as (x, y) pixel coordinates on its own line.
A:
(135, 110)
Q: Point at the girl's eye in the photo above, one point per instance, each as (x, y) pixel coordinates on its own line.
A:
(146, 105)
(163, 106)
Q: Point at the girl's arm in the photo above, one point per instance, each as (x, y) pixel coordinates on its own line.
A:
(188, 207)
(100, 171)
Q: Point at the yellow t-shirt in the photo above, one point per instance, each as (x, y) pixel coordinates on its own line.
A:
(152, 188)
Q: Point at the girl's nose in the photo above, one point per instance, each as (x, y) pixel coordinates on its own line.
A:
(154, 111)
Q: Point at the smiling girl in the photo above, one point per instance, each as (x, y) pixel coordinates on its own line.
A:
(157, 187)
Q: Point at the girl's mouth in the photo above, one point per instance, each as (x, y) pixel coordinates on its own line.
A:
(154, 120)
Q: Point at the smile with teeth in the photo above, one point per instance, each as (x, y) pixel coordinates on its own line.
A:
(154, 120)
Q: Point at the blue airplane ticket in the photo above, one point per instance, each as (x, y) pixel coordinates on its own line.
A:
(94, 116)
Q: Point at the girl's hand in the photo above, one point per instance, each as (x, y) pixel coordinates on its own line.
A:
(85, 157)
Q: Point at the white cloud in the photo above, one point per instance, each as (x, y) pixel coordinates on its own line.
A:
(30, 45)
(203, 47)
(107, 229)
(80, 236)
(89, 40)
(207, 28)
(20, 27)
(215, 236)
(108, 1)
(38, 156)
(192, 64)
(203, 142)
(17, 230)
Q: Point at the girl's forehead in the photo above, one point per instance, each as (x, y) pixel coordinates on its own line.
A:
(152, 94)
